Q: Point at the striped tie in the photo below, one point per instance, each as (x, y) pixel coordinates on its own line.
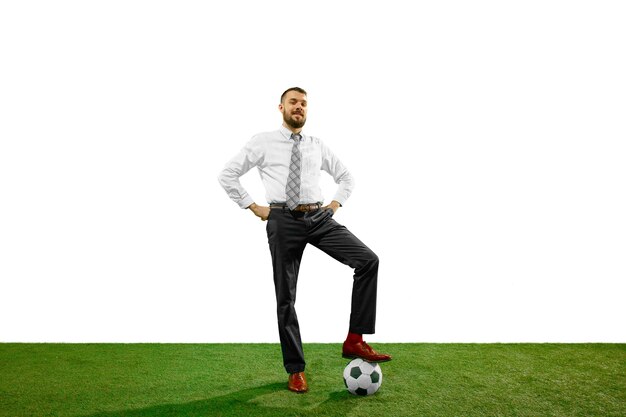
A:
(293, 181)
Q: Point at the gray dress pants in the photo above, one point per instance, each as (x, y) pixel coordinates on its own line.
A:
(288, 233)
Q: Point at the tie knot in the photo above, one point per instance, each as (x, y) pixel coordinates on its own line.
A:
(296, 137)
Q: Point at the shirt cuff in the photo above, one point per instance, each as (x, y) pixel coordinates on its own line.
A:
(245, 203)
(340, 198)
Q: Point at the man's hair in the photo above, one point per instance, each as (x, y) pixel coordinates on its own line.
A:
(298, 89)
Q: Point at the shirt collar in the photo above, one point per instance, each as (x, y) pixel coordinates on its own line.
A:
(287, 133)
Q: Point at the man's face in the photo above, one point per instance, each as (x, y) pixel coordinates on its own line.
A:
(294, 109)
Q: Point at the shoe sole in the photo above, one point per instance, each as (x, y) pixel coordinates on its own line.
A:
(366, 360)
(299, 392)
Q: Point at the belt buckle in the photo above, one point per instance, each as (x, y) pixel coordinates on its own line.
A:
(305, 208)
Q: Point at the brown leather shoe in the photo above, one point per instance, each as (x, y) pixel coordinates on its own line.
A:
(297, 383)
(364, 351)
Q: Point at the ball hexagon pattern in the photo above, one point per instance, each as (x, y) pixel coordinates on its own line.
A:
(362, 377)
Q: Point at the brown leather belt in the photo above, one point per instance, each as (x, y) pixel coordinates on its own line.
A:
(301, 207)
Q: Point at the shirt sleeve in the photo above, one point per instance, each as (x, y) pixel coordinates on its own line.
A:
(341, 175)
(249, 157)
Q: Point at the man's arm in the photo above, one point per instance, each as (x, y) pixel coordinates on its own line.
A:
(341, 175)
(247, 158)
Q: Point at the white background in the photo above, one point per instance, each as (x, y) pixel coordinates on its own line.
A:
(487, 140)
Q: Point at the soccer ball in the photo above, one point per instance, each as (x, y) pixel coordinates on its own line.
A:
(362, 378)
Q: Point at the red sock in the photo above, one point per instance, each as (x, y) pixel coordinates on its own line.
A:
(354, 338)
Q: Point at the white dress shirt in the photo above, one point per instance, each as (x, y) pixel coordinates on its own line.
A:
(270, 152)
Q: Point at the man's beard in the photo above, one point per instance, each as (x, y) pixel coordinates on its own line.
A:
(294, 123)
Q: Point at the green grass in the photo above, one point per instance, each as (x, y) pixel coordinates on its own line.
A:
(137, 380)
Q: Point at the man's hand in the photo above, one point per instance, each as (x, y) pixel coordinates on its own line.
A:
(260, 211)
(333, 205)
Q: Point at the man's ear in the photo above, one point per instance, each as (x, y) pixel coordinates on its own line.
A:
(280, 107)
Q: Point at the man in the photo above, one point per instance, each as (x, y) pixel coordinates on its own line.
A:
(290, 163)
